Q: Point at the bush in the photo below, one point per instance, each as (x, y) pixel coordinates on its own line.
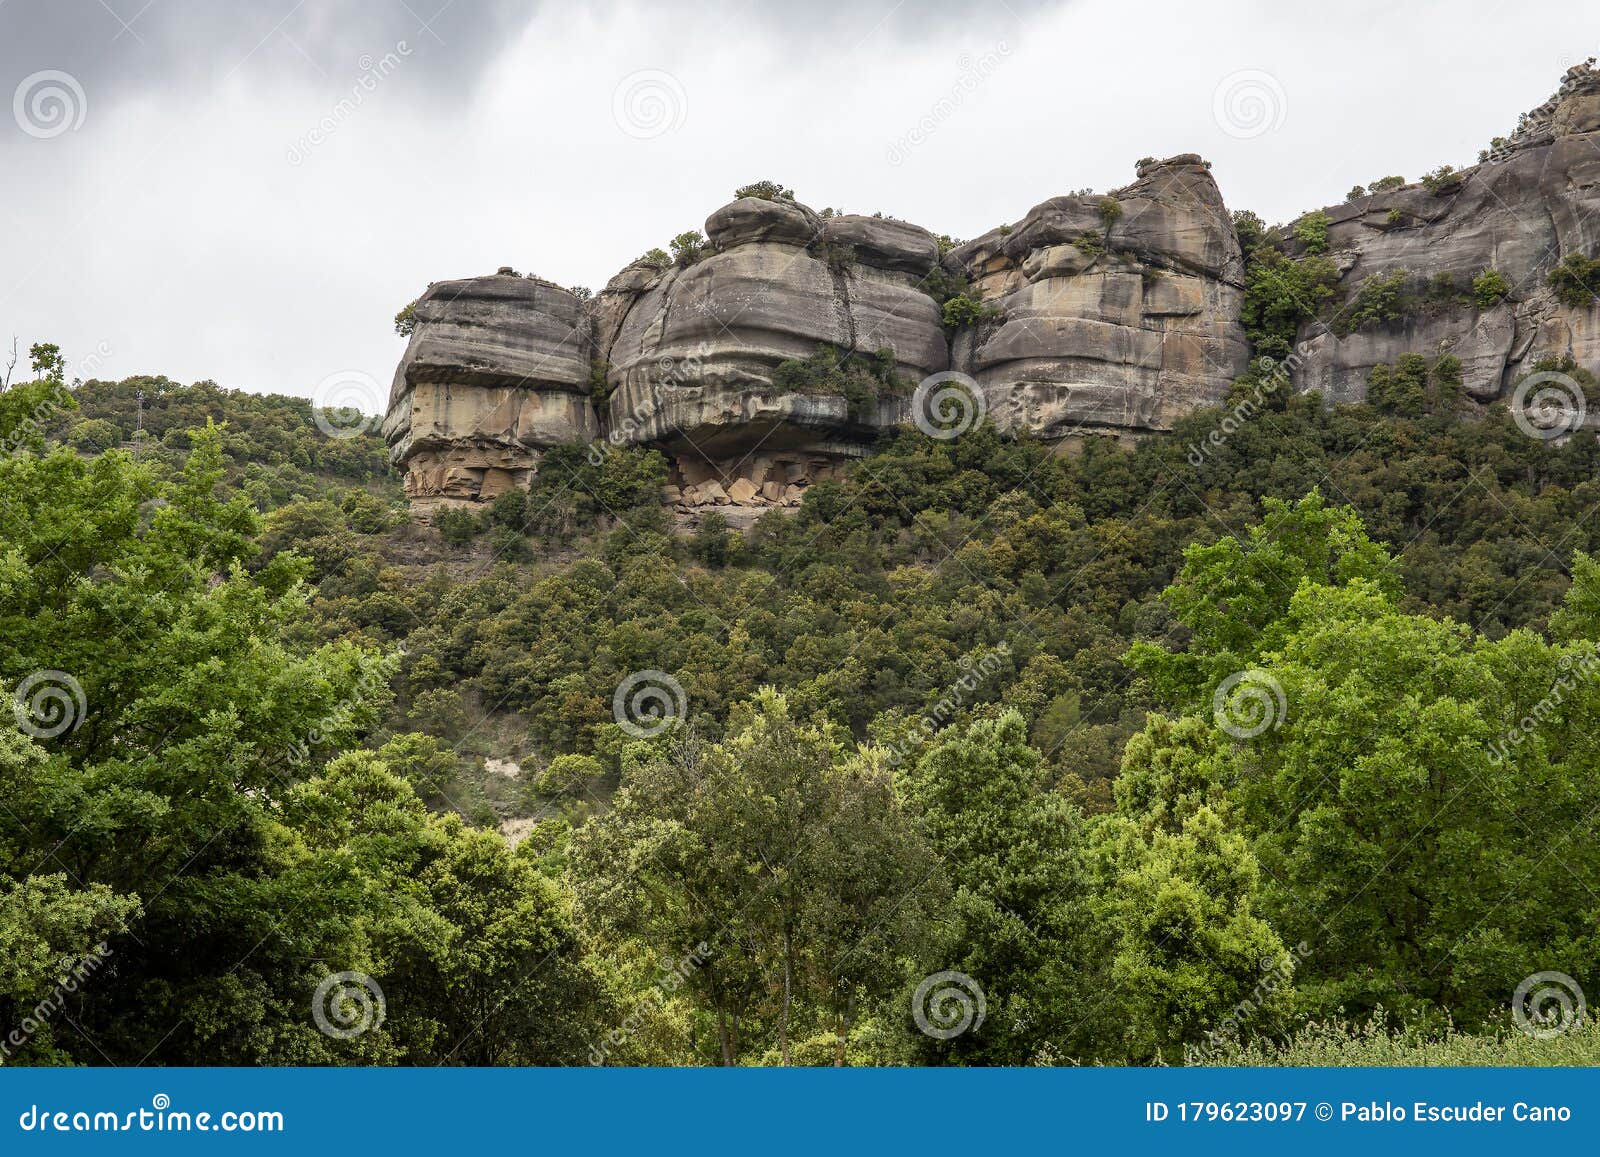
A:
(94, 436)
(856, 377)
(963, 310)
(1379, 301)
(1576, 280)
(1441, 179)
(1110, 211)
(1410, 387)
(1312, 232)
(457, 527)
(1340, 1044)
(366, 512)
(1386, 184)
(509, 510)
(765, 190)
(405, 322)
(655, 258)
(712, 543)
(1280, 293)
(688, 247)
(1400, 388)
(1489, 288)
(569, 774)
(942, 285)
(1250, 228)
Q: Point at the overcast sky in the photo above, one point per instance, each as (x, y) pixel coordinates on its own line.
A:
(248, 191)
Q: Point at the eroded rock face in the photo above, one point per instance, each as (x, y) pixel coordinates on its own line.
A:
(1118, 330)
(693, 351)
(1535, 200)
(1116, 312)
(1112, 314)
(497, 371)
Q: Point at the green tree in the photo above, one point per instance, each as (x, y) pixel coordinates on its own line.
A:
(1019, 916)
(1234, 595)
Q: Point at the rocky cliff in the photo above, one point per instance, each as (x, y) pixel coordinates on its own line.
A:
(760, 357)
(1529, 204)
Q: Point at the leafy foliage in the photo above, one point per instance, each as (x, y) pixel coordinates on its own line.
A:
(766, 190)
(992, 748)
(1576, 280)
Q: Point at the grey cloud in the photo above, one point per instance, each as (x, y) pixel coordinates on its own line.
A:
(120, 47)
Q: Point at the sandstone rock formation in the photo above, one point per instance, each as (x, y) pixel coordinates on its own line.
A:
(1533, 201)
(1116, 313)
(497, 370)
(1098, 324)
(692, 351)
(764, 358)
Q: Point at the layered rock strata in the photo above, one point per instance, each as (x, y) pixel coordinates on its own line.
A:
(1533, 201)
(763, 358)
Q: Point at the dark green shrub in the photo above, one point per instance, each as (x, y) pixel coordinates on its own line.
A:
(765, 190)
(1401, 388)
(1489, 288)
(1441, 179)
(1379, 301)
(1576, 280)
(1312, 232)
(94, 436)
(1410, 387)
(509, 510)
(457, 527)
(712, 543)
(963, 310)
(688, 247)
(1250, 228)
(1280, 294)
(859, 378)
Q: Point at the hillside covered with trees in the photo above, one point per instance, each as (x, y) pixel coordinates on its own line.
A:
(1276, 746)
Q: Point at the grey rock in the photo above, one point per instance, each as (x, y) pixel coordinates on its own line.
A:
(1520, 214)
(495, 373)
(1126, 325)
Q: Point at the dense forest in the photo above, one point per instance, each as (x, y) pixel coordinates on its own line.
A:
(1272, 740)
